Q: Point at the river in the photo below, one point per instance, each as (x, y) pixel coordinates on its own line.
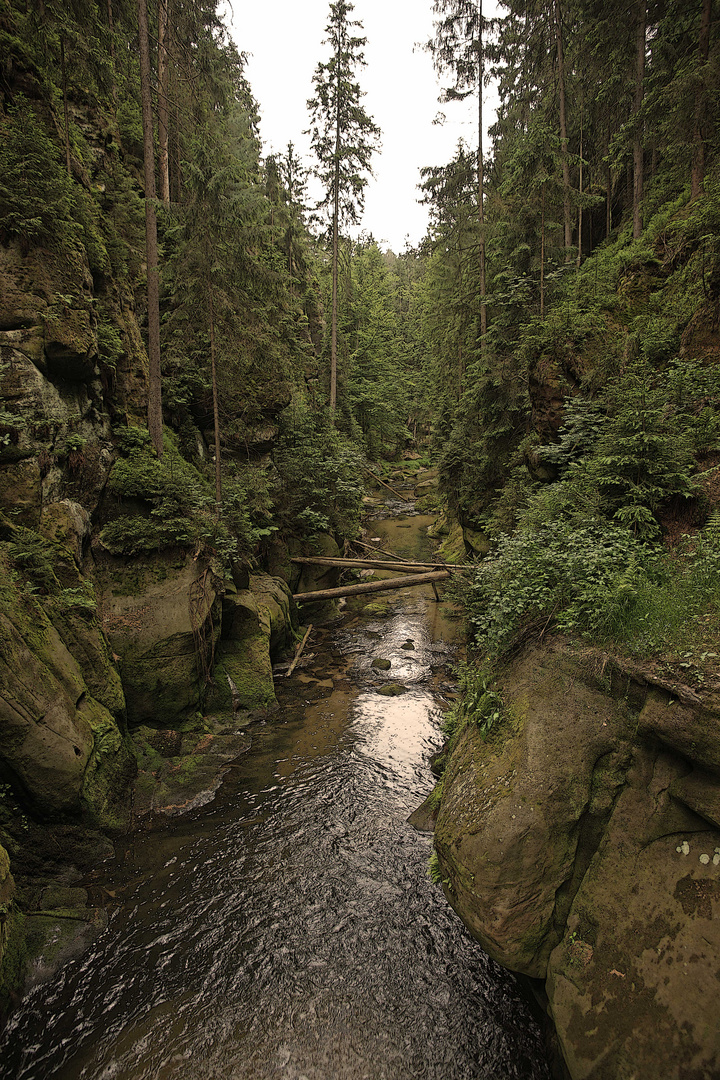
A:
(289, 930)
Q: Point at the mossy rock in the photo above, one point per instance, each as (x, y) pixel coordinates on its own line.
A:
(247, 663)
(276, 610)
(13, 960)
(163, 619)
(381, 664)
(392, 689)
(173, 785)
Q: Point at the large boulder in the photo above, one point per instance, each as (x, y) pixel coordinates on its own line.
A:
(60, 743)
(258, 623)
(581, 846)
(162, 618)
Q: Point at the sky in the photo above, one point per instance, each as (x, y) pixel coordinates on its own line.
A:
(283, 43)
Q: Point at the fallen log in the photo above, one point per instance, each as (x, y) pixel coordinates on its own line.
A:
(365, 564)
(376, 477)
(298, 652)
(381, 551)
(372, 586)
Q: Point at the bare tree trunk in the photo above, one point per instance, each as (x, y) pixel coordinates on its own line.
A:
(608, 199)
(163, 101)
(697, 179)
(638, 152)
(151, 245)
(113, 61)
(372, 586)
(580, 188)
(542, 257)
(65, 108)
(564, 155)
(335, 261)
(216, 409)
(481, 182)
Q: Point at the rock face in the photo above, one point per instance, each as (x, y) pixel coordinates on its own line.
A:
(581, 843)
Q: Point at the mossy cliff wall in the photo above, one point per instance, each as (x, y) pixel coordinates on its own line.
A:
(100, 652)
(581, 846)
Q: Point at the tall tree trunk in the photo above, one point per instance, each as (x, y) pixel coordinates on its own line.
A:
(481, 182)
(697, 179)
(151, 244)
(564, 153)
(65, 108)
(216, 407)
(638, 152)
(113, 59)
(609, 183)
(542, 257)
(580, 189)
(335, 261)
(163, 101)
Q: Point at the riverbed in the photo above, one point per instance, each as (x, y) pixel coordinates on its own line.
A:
(289, 930)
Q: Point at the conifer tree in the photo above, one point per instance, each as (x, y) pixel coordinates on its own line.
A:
(457, 48)
(344, 139)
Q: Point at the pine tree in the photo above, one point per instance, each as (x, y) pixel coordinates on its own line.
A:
(344, 139)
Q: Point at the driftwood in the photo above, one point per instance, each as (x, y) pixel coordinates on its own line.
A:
(394, 492)
(372, 586)
(366, 564)
(298, 652)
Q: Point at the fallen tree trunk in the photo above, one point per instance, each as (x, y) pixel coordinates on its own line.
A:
(366, 564)
(372, 586)
(376, 477)
(298, 651)
(379, 550)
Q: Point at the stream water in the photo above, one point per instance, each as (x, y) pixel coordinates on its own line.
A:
(289, 930)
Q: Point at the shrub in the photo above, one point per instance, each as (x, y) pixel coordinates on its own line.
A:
(582, 576)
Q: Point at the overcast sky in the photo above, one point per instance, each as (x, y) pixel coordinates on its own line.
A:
(283, 42)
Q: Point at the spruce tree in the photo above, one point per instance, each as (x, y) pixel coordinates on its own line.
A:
(457, 48)
(344, 139)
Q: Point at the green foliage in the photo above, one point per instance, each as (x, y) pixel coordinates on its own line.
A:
(110, 346)
(36, 194)
(179, 504)
(435, 869)
(320, 470)
(579, 575)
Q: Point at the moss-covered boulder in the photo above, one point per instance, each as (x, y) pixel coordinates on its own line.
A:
(258, 623)
(581, 846)
(162, 617)
(12, 943)
(62, 745)
(181, 770)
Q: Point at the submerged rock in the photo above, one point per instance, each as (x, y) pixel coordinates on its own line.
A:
(392, 689)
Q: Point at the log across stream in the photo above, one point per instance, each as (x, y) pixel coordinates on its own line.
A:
(289, 930)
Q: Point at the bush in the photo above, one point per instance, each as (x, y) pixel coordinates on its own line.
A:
(580, 576)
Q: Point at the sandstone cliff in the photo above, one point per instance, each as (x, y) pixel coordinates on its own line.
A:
(581, 845)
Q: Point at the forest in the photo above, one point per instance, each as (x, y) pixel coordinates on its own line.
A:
(200, 364)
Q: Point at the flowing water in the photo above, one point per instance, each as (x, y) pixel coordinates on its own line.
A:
(289, 930)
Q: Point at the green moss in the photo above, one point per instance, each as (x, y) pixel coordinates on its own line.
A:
(12, 960)
(247, 663)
